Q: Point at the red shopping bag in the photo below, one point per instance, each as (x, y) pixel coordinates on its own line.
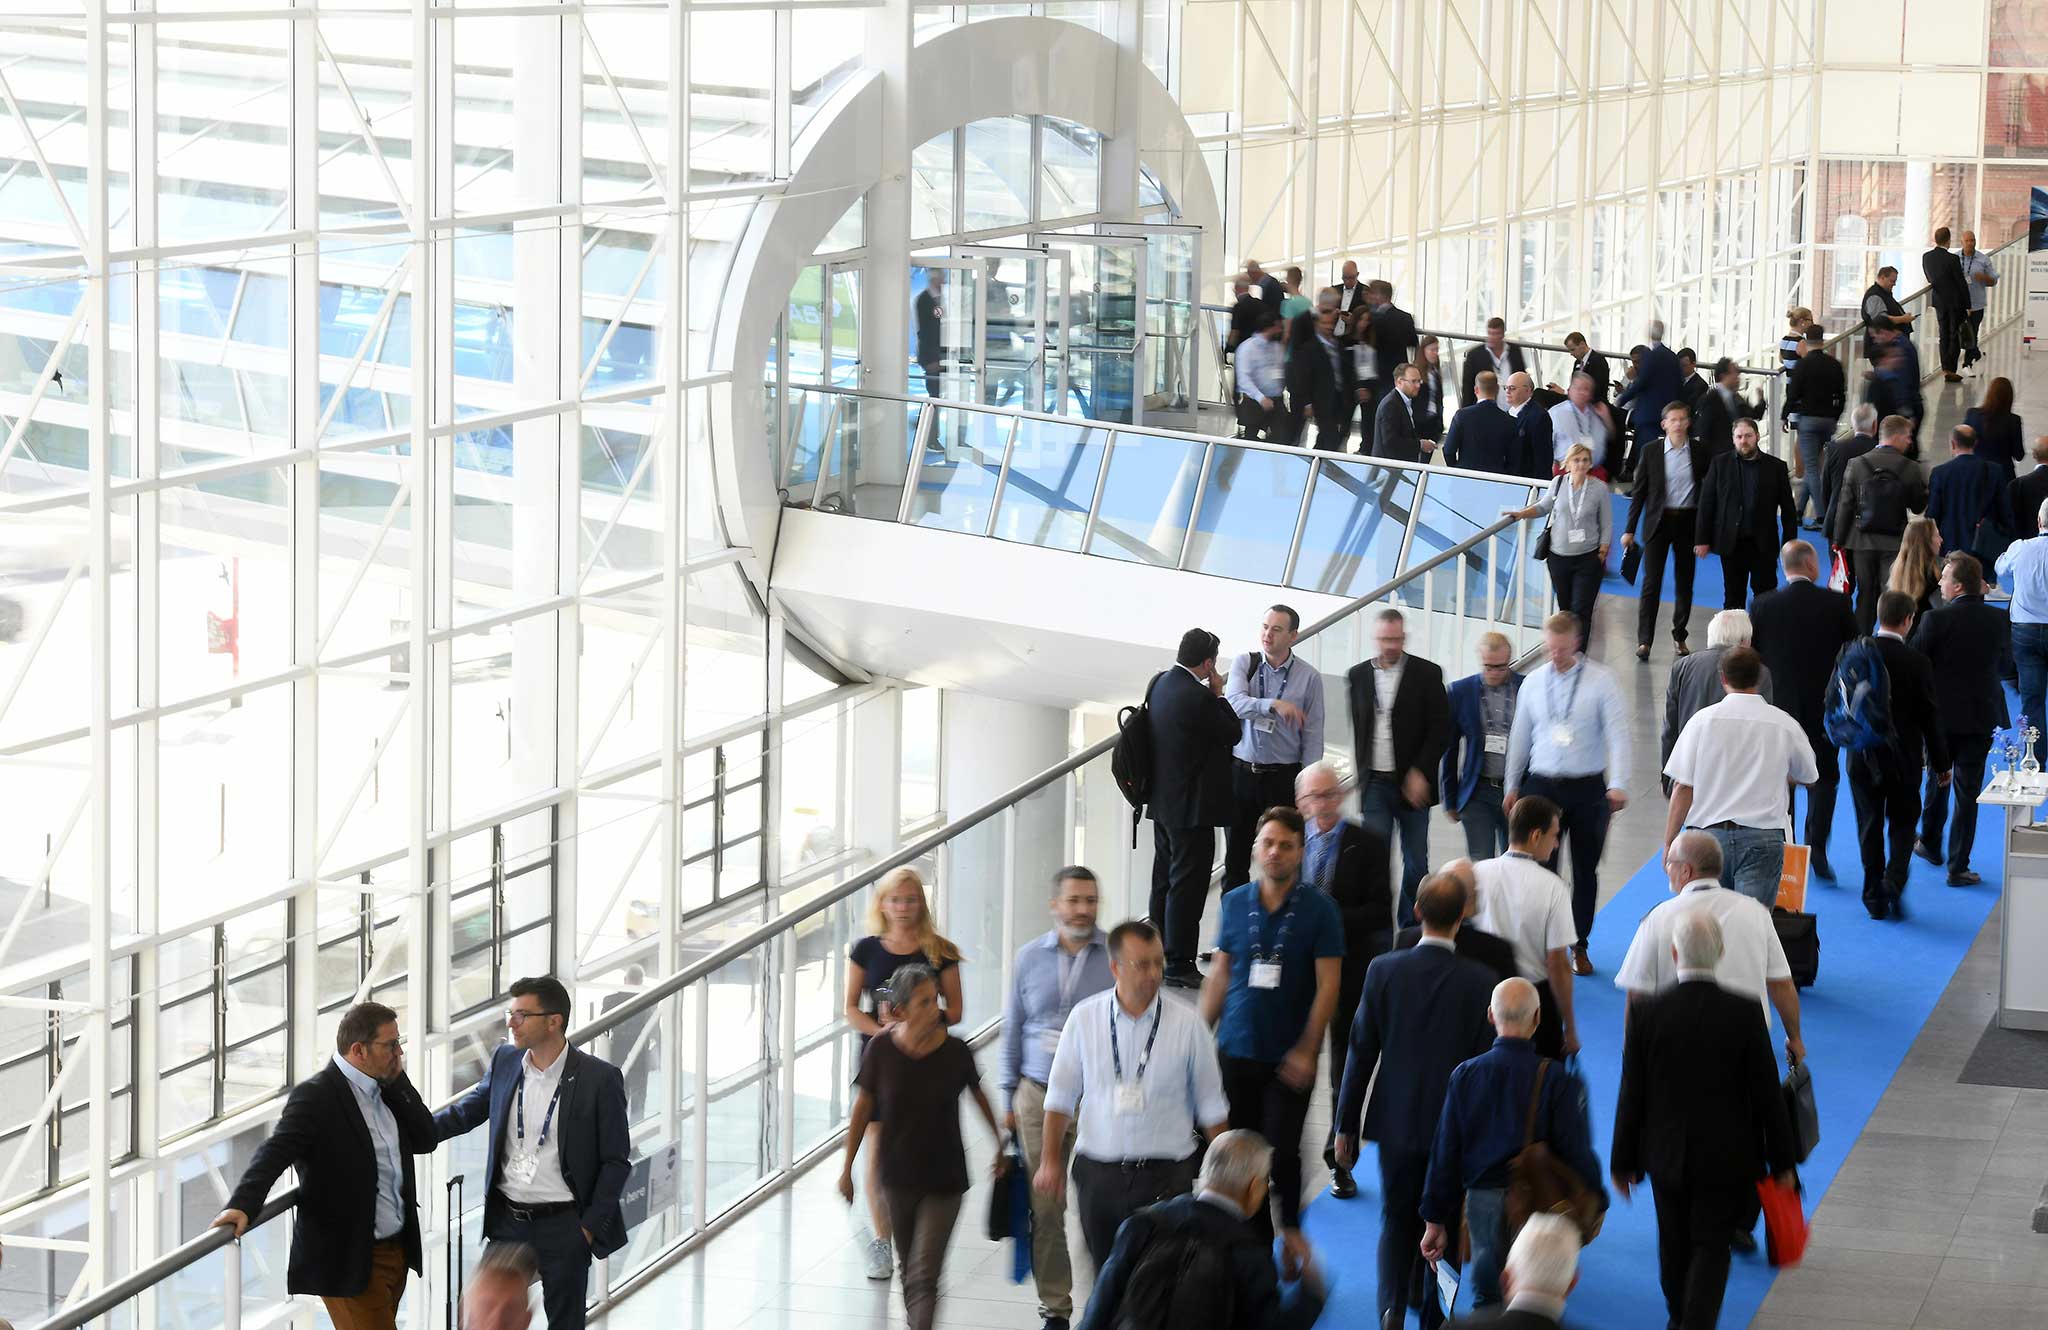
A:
(1838, 571)
(1784, 1222)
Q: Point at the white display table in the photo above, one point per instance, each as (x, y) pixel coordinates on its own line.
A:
(2023, 929)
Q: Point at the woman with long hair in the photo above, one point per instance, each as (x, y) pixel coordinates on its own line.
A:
(1430, 355)
(1581, 528)
(900, 932)
(1916, 570)
(1999, 437)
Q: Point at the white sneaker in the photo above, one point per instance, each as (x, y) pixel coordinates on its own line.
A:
(881, 1262)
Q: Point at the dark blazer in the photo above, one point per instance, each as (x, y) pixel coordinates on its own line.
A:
(1535, 442)
(2027, 494)
(1840, 453)
(1817, 387)
(323, 1135)
(1398, 426)
(1491, 950)
(1424, 1012)
(1465, 754)
(1962, 492)
(1964, 642)
(1362, 886)
(1331, 392)
(1714, 422)
(1773, 518)
(1944, 272)
(1482, 437)
(591, 1118)
(1421, 714)
(1691, 388)
(1393, 340)
(1478, 361)
(1258, 1304)
(1699, 1096)
(1655, 387)
(1594, 364)
(1429, 406)
(1799, 630)
(1647, 499)
(1999, 441)
(1916, 714)
(1193, 732)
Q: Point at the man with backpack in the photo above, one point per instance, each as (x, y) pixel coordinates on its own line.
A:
(1882, 713)
(1879, 491)
(1194, 1262)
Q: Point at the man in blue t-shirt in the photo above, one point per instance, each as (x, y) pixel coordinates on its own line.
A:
(1278, 956)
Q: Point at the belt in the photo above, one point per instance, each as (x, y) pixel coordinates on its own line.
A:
(1733, 826)
(1500, 781)
(1263, 767)
(538, 1210)
(1131, 1165)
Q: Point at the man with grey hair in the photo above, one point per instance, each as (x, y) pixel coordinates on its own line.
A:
(2026, 562)
(1542, 1270)
(1154, 1243)
(1841, 452)
(1695, 681)
(1533, 431)
(1486, 1122)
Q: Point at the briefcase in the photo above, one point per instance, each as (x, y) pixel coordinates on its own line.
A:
(1799, 935)
(1800, 1108)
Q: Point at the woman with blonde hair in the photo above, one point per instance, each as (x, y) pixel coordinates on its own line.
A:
(1916, 571)
(1797, 320)
(1580, 530)
(900, 933)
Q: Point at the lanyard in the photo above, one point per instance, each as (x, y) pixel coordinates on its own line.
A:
(1570, 699)
(1585, 420)
(546, 1120)
(1116, 1057)
(1259, 676)
(1575, 501)
(1286, 922)
(1070, 967)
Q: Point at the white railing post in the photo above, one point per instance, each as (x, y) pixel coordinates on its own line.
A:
(231, 1286)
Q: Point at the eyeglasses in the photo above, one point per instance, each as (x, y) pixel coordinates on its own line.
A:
(516, 1017)
(393, 1044)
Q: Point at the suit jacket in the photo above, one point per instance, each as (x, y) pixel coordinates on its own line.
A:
(1478, 361)
(1799, 630)
(1535, 442)
(1421, 715)
(1331, 392)
(1962, 492)
(1193, 732)
(2027, 494)
(1482, 437)
(1699, 1107)
(1916, 714)
(1361, 884)
(1714, 423)
(1999, 441)
(591, 1120)
(1465, 755)
(1944, 272)
(1393, 341)
(1840, 453)
(1491, 950)
(1258, 1304)
(1424, 1012)
(323, 1135)
(1773, 518)
(1655, 387)
(1844, 510)
(1651, 492)
(1594, 364)
(1965, 642)
(1398, 424)
(1691, 388)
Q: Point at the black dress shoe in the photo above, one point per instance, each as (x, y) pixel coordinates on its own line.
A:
(1966, 878)
(1190, 978)
(1820, 867)
(1643, 651)
(1054, 1323)
(1931, 856)
(1341, 1185)
(1744, 1241)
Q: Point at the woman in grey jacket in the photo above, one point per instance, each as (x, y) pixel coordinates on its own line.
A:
(1581, 529)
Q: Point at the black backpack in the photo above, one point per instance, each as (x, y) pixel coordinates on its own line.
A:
(1130, 762)
(1180, 1282)
(1884, 508)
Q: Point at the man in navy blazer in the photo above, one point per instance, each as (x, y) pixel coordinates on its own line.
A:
(1964, 491)
(1657, 384)
(1475, 764)
(1424, 1012)
(557, 1156)
(1483, 436)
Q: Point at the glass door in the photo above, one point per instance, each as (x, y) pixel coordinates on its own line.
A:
(944, 335)
(1013, 324)
(1105, 340)
(1173, 265)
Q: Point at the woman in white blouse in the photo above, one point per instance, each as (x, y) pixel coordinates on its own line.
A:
(1581, 528)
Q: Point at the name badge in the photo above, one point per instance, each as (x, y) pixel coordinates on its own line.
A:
(1561, 735)
(1265, 974)
(1496, 743)
(1263, 724)
(1130, 1098)
(521, 1168)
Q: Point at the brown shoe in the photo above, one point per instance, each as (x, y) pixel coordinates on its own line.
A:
(1952, 378)
(1680, 649)
(1582, 964)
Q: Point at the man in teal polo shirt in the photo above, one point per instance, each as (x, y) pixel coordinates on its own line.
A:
(1270, 992)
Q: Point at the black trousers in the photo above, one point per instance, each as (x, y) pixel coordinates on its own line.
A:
(1402, 1173)
(1820, 796)
(1871, 568)
(1674, 536)
(1747, 567)
(1181, 860)
(1108, 1194)
(1970, 752)
(1692, 1254)
(557, 1240)
(1252, 792)
(1887, 806)
(1583, 802)
(1262, 1102)
(1973, 347)
(1358, 954)
(1576, 580)
(1950, 321)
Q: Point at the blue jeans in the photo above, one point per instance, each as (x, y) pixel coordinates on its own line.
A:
(1814, 434)
(1381, 808)
(1486, 1215)
(1752, 861)
(2030, 653)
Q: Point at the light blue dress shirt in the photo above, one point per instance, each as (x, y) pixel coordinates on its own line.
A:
(1980, 294)
(2026, 562)
(1266, 739)
(384, 1142)
(1047, 982)
(1585, 703)
(1262, 366)
(1320, 859)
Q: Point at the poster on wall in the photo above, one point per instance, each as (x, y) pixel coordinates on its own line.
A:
(2037, 264)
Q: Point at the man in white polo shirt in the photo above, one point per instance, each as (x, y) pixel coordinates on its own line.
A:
(1752, 960)
(1731, 771)
(1530, 906)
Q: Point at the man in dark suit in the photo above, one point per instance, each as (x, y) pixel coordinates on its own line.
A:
(1495, 356)
(1193, 729)
(1868, 515)
(1665, 501)
(1350, 291)
(1746, 513)
(1966, 491)
(1965, 642)
(1950, 296)
(1534, 442)
(1244, 313)
(1494, 952)
(1691, 385)
(1541, 1271)
(351, 1132)
(1232, 1185)
(1482, 435)
(1476, 759)
(1885, 781)
(1321, 383)
(558, 1149)
(1713, 422)
(1423, 1013)
(1399, 420)
(1700, 1112)
(2029, 492)
(1839, 454)
(1349, 864)
(1799, 630)
(1401, 725)
(1655, 386)
(1584, 361)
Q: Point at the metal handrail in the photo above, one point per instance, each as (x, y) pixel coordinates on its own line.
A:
(186, 1254)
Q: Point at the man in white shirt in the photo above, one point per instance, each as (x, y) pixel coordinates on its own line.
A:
(1752, 960)
(1528, 905)
(1731, 772)
(1140, 1072)
(1581, 419)
(1262, 380)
